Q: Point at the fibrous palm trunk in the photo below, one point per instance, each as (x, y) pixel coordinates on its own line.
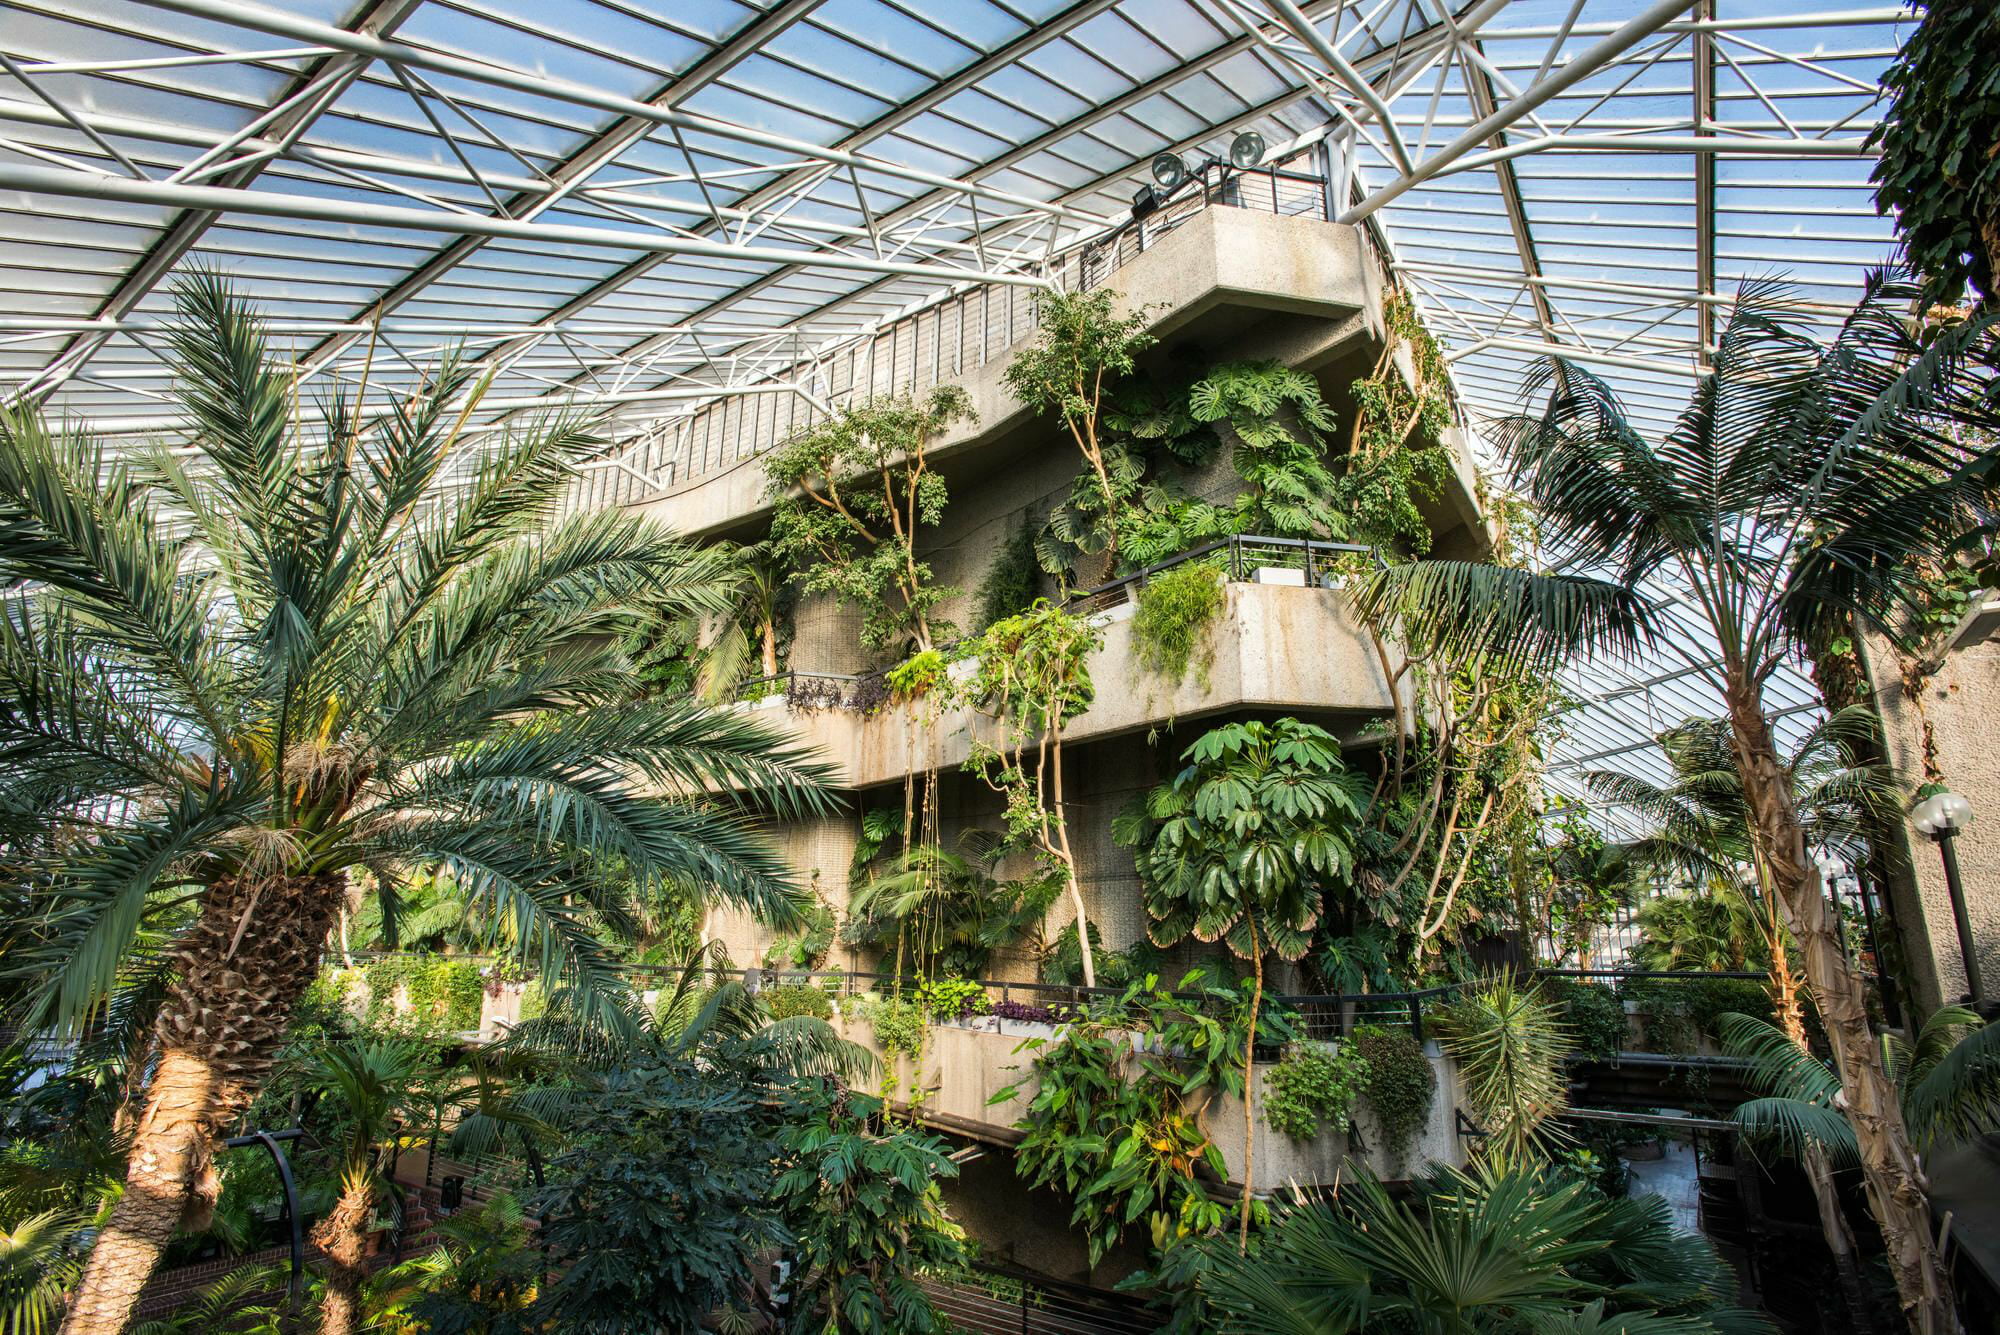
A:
(1894, 1180)
(1818, 1168)
(242, 968)
(343, 1238)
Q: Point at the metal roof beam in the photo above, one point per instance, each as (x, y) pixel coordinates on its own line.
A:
(570, 175)
(290, 115)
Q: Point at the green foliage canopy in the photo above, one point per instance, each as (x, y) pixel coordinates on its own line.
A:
(1939, 166)
(1245, 842)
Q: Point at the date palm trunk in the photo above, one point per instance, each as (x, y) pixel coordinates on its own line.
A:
(1895, 1182)
(343, 1238)
(243, 967)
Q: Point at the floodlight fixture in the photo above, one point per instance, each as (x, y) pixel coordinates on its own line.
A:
(1246, 150)
(1168, 171)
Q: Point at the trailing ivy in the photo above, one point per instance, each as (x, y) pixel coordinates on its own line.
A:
(1174, 620)
(897, 1023)
(1011, 583)
(1314, 1084)
(1401, 1086)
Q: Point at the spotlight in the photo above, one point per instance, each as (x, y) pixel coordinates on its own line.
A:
(1145, 202)
(1246, 150)
(1168, 171)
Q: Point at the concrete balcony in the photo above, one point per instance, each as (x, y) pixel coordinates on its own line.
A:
(1230, 281)
(1275, 646)
(966, 1064)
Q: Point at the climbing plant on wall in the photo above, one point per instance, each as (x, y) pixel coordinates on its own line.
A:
(1033, 676)
(853, 494)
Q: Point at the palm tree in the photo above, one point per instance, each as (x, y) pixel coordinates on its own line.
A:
(373, 1086)
(746, 634)
(319, 641)
(1470, 1252)
(1802, 484)
(1702, 832)
(37, 1262)
(1947, 1083)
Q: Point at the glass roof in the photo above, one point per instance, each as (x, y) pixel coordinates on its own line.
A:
(696, 211)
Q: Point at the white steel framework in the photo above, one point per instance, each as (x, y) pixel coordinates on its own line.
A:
(717, 217)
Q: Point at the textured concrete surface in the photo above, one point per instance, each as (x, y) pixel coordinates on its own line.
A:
(1962, 704)
(1229, 284)
(1272, 647)
(968, 1065)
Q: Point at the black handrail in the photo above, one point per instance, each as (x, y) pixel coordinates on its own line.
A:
(1238, 545)
(295, 1284)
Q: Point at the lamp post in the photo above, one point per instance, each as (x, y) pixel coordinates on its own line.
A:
(1941, 816)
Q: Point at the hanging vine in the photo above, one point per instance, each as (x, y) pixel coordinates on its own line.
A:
(1033, 676)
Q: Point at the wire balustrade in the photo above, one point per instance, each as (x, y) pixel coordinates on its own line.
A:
(1241, 558)
(941, 342)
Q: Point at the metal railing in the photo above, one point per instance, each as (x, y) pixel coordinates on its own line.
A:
(942, 341)
(1320, 1016)
(1240, 557)
(999, 1300)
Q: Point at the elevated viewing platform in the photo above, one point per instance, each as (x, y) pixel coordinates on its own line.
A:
(1277, 644)
(1253, 285)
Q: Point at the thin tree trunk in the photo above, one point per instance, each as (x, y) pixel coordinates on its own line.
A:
(1069, 867)
(1839, 1238)
(1250, 1088)
(343, 1237)
(1894, 1179)
(243, 967)
(768, 633)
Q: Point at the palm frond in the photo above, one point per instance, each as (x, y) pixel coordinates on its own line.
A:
(1777, 1064)
(1793, 1127)
(1465, 609)
(1957, 1094)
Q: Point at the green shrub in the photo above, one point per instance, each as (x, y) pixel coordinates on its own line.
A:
(1401, 1085)
(442, 993)
(897, 1023)
(1594, 1016)
(534, 1000)
(1013, 580)
(1679, 1013)
(1177, 609)
(1314, 1084)
(790, 999)
(951, 998)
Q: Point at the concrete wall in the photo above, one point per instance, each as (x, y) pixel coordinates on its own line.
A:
(968, 1064)
(1962, 705)
(1273, 647)
(1230, 284)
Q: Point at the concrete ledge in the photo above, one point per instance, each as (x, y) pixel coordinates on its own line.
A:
(1274, 647)
(1221, 256)
(968, 1063)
